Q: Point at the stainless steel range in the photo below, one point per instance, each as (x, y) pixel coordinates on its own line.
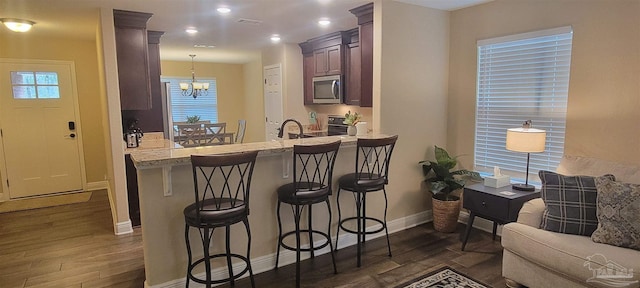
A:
(336, 125)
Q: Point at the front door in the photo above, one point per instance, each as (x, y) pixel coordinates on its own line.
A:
(40, 133)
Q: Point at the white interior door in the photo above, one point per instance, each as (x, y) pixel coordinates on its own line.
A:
(273, 100)
(40, 132)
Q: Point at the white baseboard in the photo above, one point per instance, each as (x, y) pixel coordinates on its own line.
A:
(124, 227)
(99, 185)
(268, 262)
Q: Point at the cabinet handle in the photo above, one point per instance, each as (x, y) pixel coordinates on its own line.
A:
(333, 89)
(484, 204)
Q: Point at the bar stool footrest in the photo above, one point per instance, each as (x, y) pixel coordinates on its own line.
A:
(302, 232)
(363, 232)
(219, 281)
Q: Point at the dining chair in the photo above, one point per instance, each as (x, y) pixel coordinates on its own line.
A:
(215, 134)
(242, 125)
(189, 135)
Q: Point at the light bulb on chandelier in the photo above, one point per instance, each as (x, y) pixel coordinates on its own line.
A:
(194, 88)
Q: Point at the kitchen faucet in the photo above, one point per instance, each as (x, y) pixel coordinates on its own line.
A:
(281, 129)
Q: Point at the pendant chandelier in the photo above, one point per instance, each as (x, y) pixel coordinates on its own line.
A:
(194, 88)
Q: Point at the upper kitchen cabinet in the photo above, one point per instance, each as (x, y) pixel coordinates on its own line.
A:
(364, 14)
(352, 70)
(323, 56)
(327, 51)
(133, 59)
(328, 61)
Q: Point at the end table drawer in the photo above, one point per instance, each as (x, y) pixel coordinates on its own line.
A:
(486, 205)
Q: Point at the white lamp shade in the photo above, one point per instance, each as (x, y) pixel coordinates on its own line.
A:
(205, 85)
(197, 85)
(184, 86)
(526, 140)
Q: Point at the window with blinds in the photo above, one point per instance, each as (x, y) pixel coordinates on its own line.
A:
(182, 106)
(522, 77)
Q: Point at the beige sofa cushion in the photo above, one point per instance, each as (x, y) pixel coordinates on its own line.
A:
(574, 256)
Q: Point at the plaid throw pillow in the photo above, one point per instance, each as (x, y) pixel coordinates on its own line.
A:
(570, 203)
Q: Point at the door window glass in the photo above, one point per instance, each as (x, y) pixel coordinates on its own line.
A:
(34, 85)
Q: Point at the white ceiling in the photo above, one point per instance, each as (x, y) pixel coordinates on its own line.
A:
(294, 20)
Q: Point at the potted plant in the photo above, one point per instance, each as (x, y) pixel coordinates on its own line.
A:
(442, 181)
(351, 120)
(193, 119)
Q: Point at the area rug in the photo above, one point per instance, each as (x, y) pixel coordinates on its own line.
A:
(445, 277)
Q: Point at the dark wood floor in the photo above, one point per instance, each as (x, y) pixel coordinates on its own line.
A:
(74, 246)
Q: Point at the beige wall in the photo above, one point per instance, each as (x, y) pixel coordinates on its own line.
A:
(410, 94)
(229, 81)
(254, 101)
(85, 56)
(604, 88)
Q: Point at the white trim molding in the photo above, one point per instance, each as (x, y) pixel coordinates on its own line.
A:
(267, 262)
(99, 185)
(124, 228)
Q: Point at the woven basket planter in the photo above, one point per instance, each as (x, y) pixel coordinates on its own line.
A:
(445, 215)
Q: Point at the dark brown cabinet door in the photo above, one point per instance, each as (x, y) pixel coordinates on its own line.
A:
(320, 57)
(352, 74)
(334, 60)
(366, 67)
(307, 75)
(133, 59)
(328, 61)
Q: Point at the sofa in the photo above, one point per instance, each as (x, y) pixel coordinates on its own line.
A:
(534, 257)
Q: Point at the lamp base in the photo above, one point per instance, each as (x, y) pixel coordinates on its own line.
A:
(523, 187)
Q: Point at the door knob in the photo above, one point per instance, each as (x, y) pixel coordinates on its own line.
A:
(72, 135)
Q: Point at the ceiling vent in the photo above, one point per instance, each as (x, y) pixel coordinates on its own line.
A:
(249, 21)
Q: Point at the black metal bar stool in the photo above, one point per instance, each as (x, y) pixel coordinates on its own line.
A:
(371, 175)
(222, 184)
(312, 172)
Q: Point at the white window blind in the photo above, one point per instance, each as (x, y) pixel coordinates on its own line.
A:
(182, 106)
(522, 77)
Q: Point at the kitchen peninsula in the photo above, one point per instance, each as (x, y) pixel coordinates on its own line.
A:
(165, 184)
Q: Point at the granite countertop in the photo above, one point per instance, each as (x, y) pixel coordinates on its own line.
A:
(152, 140)
(154, 158)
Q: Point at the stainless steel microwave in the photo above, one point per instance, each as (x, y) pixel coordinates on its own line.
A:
(327, 90)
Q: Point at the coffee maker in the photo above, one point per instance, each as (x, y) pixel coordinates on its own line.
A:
(133, 135)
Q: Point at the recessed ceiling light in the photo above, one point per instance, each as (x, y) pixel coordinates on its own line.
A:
(17, 25)
(324, 22)
(223, 10)
(275, 38)
(191, 30)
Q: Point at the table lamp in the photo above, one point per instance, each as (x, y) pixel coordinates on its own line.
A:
(529, 140)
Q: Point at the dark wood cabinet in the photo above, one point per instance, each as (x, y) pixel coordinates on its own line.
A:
(328, 61)
(132, 191)
(307, 75)
(152, 119)
(133, 59)
(352, 71)
(365, 30)
(322, 56)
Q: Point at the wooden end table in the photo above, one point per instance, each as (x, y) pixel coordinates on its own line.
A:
(488, 203)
